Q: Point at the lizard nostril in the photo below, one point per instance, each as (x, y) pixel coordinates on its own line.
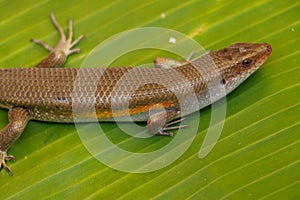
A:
(269, 49)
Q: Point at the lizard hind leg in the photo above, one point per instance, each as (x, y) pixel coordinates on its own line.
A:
(18, 118)
(62, 50)
(66, 44)
(3, 158)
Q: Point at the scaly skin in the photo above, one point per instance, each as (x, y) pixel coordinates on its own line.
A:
(47, 93)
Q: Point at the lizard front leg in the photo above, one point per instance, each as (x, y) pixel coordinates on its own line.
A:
(160, 123)
(167, 63)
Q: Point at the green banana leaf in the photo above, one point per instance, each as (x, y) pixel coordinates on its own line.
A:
(257, 154)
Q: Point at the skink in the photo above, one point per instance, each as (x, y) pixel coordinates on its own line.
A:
(49, 93)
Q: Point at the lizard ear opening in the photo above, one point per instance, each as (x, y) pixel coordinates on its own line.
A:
(223, 81)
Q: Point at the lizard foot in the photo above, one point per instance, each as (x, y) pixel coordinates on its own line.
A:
(3, 158)
(167, 127)
(65, 44)
(162, 122)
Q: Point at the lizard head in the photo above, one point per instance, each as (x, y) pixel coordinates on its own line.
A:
(238, 61)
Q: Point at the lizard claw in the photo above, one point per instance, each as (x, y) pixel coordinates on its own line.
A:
(3, 158)
(168, 126)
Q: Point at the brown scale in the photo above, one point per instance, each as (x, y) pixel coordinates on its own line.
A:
(47, 93)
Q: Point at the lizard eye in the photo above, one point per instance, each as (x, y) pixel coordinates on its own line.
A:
(246, 63)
